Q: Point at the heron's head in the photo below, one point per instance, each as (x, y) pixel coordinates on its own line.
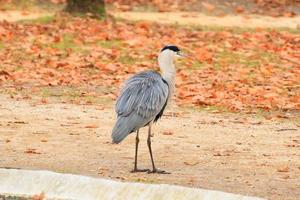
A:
(171, 51)
(167, 55)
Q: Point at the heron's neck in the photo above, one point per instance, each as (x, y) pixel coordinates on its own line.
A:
(168, 70)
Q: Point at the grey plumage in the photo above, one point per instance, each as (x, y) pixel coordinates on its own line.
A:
(141, 101)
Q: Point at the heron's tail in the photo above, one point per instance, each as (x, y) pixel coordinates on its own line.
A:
(121, 129)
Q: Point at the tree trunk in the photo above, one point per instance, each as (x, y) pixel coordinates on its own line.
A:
(95, 7)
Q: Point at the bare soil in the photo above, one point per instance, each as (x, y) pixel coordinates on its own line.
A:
(16, 15)
(200, 19)
(181, 18)
(229, 152)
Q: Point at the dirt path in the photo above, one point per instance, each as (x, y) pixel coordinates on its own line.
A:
(182, 18)
(227, 152)
(248, 21)
(16, 15)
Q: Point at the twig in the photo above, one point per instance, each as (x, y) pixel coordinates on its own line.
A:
(287, 129)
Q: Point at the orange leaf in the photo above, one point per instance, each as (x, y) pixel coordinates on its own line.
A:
(91, 126)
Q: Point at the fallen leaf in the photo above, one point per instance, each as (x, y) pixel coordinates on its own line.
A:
(209, 7)
(167, 133)
(31, 151)
(239, 9)
(91, 126)
(283, 169)
(191, 163)
(44, 101)
(40, 196)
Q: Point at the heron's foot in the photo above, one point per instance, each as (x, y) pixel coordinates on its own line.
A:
(139, 170)
(158, 171)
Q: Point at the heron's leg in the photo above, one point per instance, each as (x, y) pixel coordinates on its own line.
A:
(137, 140)
(155, 170)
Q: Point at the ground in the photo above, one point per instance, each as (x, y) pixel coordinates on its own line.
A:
(229, 152)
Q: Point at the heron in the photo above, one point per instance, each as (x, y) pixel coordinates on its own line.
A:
(143, 99)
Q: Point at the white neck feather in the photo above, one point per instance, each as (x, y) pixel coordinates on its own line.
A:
(167, 67)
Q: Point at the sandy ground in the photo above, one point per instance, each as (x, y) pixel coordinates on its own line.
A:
(228, 152)
(182, 18)
(15, 15)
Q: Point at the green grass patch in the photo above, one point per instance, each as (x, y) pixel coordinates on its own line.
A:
(18, 4)
(109, 44)
(1, 45)
(74, 94)
(58, 94)
(257, 58)
(19, 68)
(127, 60)
(31, 5)
(43, 20)
(268, 57)
(197, 65)
(67, 42)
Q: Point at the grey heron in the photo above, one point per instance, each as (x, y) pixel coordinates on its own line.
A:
(143, 100)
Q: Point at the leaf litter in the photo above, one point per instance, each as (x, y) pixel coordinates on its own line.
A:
(235, 71)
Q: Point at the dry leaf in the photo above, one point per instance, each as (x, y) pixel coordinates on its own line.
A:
(31, 151)
(91, 126)
(209, 7)
(283, 169)
(168, 133)
(191, 163)
(40, 196)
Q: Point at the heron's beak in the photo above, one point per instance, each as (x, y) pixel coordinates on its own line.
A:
(181, 55)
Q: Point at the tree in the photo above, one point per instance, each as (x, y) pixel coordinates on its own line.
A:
(95, 7)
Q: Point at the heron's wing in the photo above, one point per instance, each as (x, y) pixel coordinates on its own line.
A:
(145, 94)
(143, 97)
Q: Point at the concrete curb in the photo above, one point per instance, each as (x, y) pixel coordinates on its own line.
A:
(68, 186)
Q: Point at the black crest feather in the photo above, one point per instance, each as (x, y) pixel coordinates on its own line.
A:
(170, 47)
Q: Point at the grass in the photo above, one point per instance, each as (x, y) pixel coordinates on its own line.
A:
(197, 65)
(74, 94)
(1, 45)
(257, 58)
(127, 60)
(67, 42)
(40, 20)
(20, 4)
(109, 44)
(19, 68)
(31, 5)
(59, 94)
